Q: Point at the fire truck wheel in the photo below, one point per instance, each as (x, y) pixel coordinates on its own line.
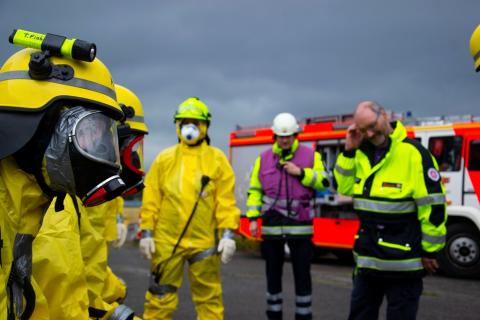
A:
(461, 255)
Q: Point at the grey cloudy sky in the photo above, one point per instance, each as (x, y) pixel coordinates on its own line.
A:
(251, 59)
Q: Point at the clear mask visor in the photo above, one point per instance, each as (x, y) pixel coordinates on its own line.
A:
(95, 137)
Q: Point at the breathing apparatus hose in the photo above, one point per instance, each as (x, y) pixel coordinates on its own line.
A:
(204, 181)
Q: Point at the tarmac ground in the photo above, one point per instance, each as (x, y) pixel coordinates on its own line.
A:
(244, 286)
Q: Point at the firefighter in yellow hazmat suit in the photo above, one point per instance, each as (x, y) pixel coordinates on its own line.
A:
(131, 135)
(84, 270)
(94, 241)
(475, 47)
(114, 288)
(188, 200)
(104, 220)
(63, 95)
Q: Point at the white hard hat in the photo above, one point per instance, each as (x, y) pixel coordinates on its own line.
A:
(285, 124)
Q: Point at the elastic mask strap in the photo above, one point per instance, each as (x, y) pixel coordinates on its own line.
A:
(59, 202)
(75, 204)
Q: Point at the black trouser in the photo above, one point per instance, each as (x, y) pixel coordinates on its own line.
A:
(403, 297)
(301, 253)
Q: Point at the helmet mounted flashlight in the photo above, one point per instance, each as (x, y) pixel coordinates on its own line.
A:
(56, 45)
(40, 67)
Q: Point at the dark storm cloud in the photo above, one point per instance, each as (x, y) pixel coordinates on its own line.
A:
(252, 59)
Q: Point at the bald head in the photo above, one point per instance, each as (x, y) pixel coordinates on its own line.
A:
(372, 106)
(371, 120)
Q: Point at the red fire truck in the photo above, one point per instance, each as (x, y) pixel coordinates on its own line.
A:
(453, 140)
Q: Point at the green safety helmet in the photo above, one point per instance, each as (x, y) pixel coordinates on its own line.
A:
(193, 108)
(475, 47)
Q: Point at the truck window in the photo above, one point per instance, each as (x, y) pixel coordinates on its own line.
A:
(447, 152)
(329, 155)
(474, 157)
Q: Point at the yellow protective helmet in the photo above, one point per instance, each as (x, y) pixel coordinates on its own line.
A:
(475, 47)
(134, 110)
(193, 108)
(24, 101)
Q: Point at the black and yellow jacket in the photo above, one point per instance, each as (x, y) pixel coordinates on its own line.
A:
(400, 201)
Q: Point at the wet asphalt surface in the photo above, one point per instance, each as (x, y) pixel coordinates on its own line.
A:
(244, 289)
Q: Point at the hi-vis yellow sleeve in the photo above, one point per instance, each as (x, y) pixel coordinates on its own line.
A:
(255, 192)
(344, 173)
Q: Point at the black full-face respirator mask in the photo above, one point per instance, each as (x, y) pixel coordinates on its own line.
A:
(82, 157)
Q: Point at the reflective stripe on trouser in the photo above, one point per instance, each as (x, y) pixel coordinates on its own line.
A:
(274, 305)
(301, 252)
(205, 286)
(303, 307)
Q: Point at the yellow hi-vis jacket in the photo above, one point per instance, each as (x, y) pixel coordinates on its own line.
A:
(400, 202)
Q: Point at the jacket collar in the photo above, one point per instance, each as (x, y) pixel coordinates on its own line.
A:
(289, 155)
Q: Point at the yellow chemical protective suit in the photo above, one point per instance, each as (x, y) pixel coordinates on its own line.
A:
(171, 188)
(70, 263)
(58, 263)
(22, 203)
(114, 289)
(95, 253)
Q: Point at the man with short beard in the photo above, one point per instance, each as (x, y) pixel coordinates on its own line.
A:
(400, 201)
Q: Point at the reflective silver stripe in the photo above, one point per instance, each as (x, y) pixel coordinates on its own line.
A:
(431, 199)
(281, 211)
(287, 230)
(389, 265)
(314, 179)
(274, 297)
(274, 307)
(280, 202)
(254, 208)
(292, 214)
(74, 82)
(303, 299)
(344, 172)
(122, 312)
(137, 119)
(387, 207)
(202, 255)
(434, 239)
(303, 310)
